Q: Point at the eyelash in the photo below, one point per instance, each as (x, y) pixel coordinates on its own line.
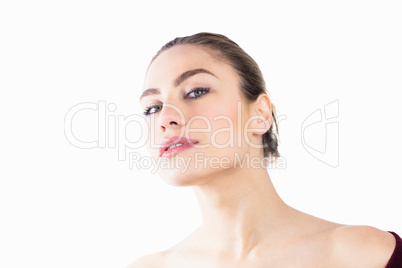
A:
(149, 108)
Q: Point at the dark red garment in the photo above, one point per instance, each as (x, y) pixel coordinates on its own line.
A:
(396, 258)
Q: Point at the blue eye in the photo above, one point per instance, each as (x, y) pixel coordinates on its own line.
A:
(152, 109)
(197, 92)
(193, 94)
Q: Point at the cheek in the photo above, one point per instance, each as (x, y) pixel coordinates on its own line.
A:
(227, 125)
(145, 130)
(149, 137)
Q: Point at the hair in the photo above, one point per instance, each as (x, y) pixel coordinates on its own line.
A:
(252, 83)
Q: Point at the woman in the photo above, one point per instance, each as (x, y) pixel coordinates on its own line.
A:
(211, 122)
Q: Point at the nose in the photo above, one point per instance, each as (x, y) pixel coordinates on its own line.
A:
(170, 117)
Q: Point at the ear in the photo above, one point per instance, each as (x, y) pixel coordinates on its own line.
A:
(261, 114)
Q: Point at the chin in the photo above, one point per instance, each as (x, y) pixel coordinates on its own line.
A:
(176, 177)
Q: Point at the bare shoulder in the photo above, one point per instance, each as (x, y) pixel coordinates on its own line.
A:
(154, 260)
(361, 246)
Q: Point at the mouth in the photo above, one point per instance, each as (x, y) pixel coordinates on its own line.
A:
(175, 145)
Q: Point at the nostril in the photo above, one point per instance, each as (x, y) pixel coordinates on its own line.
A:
(167, 125)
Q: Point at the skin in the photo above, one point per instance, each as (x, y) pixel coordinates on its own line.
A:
(245, 222)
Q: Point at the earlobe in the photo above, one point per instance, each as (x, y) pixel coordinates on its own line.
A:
(262, 125)
(262, 115)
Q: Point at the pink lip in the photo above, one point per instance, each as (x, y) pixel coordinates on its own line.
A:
(187, 143)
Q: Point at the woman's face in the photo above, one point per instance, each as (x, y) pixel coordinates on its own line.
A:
(204, 105)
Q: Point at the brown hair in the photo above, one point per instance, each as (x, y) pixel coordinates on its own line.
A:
(252, 83)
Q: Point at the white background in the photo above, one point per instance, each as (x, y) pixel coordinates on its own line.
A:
(61, 206)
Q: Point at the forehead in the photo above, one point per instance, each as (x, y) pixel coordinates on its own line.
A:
(178, 59)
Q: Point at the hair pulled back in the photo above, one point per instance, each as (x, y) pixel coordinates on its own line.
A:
(252, 83)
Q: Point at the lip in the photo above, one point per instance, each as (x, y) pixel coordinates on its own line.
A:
(187, 144)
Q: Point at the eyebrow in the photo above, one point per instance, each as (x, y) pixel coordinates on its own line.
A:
(180, 79)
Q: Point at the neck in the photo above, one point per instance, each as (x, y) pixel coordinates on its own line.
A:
(239, 207)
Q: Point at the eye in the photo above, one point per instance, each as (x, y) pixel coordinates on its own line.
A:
(193, 94)
(152, 109)
(197, 92)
